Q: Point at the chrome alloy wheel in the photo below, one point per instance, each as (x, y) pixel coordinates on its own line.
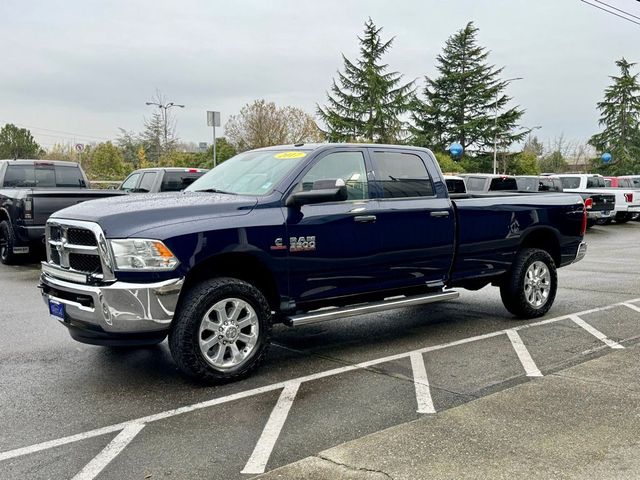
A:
(228, 333)
(537, 284)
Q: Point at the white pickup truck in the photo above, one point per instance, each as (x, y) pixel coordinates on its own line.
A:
(627, 200)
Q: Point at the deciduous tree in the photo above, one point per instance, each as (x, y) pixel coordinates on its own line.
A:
(17, 143)
(263, 124)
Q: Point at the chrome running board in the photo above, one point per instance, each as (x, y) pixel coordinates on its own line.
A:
(325, 314)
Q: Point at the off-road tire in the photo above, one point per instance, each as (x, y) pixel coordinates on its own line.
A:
(512, 288)
(183, 335)
(7, 242)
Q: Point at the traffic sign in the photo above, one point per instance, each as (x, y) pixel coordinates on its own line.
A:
(79, 147)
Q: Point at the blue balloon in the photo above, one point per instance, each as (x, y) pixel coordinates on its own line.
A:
(606, 157)
(455, 150)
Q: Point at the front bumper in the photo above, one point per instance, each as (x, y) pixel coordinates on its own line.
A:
(119, 311)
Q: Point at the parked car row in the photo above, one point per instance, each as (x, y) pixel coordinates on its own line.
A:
(31, 190)
(606, 199)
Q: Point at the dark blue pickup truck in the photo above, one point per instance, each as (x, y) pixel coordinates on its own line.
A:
(296, 234)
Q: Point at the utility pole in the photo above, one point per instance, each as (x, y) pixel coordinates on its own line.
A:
(165, 119)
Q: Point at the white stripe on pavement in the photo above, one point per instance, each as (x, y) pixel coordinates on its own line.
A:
(527, 362)
(421, 382)
(38, 447)
(262, 451)
(632, 307)
(596, 333)
(111, 451)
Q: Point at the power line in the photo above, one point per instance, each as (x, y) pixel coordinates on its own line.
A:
(73, 134)
(619, 10)
(612, 13)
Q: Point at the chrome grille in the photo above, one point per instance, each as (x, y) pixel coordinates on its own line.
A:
(76, 248)
(80, 236)
(85, 263)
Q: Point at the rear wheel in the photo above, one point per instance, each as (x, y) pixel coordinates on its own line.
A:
(529, 289)
(7, 242)
(221, 330)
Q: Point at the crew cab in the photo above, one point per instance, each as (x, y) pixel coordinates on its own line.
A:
(30, 191)
(296, 234)
(155, 180)
(627, 202)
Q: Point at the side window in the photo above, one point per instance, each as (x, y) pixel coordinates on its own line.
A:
(348, 166)
(401, 175)
(146, 184)
(130, 182)
(595, 182)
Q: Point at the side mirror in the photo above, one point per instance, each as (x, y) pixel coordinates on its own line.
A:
(321, 191)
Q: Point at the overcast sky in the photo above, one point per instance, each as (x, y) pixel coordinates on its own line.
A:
(76, 70)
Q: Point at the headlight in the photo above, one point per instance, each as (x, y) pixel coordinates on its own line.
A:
(138, 254)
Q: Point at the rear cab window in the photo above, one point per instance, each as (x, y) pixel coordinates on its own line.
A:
(43, 175)
(475, 184)
(455, 185)
(176, 181)
(595, 182)
(401, 175)
(503, 183)
(570, 182)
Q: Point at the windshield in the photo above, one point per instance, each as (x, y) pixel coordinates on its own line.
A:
(249, 173)
(595, 182)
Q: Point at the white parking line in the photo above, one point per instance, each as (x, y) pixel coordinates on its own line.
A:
(111, 451)
(421, 382)
(262, 451)
(596, 333)
(38, 447)
(527, 362)
(632, 307)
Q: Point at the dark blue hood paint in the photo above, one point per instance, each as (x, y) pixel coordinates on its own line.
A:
(127, 215)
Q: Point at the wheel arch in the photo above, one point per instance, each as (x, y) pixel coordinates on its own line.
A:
(545, 239)
(241, 265)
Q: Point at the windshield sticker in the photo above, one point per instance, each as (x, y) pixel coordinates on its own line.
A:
(288, 155)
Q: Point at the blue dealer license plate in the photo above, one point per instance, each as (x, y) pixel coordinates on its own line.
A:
(56, 309)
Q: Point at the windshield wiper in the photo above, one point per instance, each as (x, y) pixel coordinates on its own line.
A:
(214, 190)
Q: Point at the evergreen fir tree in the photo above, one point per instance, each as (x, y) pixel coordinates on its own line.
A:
(620, 119)
(367, 102)
(461, 102)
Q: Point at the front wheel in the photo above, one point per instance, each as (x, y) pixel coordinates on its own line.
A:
(529, 288)
(221, 330)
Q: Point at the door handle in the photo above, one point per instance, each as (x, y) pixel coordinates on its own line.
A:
(365, 218)
(440, 213)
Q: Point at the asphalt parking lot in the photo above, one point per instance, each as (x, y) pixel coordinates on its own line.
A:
(76, 411)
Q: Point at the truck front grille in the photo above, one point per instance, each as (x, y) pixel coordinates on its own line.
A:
(73, 248)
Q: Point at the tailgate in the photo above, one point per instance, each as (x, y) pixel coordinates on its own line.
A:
(603, 202)
(46, 202)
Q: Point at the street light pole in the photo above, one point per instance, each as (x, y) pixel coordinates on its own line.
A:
(495, 125)
(165, 118)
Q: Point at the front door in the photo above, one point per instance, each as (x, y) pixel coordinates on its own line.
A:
(334, 247)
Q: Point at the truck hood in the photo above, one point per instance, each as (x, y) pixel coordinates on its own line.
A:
(127, 215)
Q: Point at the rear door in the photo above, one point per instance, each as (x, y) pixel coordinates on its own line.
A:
(416, 219)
